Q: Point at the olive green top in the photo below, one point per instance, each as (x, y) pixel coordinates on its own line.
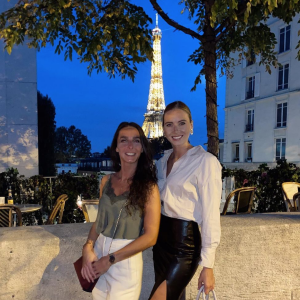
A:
(129, 227)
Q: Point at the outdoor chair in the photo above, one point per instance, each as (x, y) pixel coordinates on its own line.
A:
(290, 191)
(7, 215)
(243, 201)
(59, 206)
(90, 209)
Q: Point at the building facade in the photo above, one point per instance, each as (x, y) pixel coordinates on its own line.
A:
(63, 168)
(261, 109)
(94, 165)
(152, 125)
(18, 107)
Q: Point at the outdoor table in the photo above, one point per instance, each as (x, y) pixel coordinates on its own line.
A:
(26, 208)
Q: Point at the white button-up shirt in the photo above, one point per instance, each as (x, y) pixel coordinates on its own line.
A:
(192, 191)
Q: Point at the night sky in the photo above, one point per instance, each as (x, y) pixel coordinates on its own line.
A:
(96, 104)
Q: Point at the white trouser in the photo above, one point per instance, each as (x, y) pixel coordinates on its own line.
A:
(123, 280)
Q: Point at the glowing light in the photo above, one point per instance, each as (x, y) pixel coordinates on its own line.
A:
(152, 125)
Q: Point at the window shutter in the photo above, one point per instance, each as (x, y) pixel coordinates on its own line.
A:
(258, 58)
(243, 94)
(257, 85)
(244, 61)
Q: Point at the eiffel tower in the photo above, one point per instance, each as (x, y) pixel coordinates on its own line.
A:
(152, 125)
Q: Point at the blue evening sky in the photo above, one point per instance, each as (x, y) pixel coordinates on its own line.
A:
(96, 104)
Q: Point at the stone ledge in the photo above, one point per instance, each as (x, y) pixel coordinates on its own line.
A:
(258, 258)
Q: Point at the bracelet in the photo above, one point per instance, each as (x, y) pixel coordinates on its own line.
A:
(89, 241)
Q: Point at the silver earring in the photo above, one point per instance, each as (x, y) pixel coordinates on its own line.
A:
(192, 131)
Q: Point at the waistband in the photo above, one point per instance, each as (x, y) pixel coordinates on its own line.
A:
(178, 222)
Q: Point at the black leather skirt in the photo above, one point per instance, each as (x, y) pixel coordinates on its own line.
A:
(176, 255)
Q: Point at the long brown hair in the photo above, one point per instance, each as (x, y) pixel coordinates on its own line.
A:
(178, 105)
(145, 174)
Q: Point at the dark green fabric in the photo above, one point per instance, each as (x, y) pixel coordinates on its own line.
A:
(129, 227)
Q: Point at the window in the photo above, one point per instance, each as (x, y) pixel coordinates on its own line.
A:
(251, 59)
(236, 153)
(250, 87)
(283, 77)
(285, 37)
(280, 148)
(250, 120)
(249, 152)
(281, 114)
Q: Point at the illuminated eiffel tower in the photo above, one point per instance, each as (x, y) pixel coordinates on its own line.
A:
(152, 125)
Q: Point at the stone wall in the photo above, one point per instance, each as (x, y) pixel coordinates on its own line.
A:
(18, 107)
(258, 258)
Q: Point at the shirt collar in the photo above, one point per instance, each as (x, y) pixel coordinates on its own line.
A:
(190, 152)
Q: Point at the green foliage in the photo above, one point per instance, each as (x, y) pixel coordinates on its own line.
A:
(40, 190)
(74, 186)
(70, 143)
(159, 145)
(268, 183)
(238, 26)
(106, 152)
(113, 35)
(46, 135)
(110, 35)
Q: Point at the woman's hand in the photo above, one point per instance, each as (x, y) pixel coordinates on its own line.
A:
(101, 266)
(207, 279)
(89, 257)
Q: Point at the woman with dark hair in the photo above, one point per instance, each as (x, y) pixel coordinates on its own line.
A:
(190, 185)
(128, 218)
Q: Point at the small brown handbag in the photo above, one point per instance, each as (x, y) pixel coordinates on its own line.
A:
(88, 286)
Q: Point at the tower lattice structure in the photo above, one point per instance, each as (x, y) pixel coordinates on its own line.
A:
(152, 125)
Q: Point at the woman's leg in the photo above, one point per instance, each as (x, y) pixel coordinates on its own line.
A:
(124, 279)
(100, 290)
(176, 257)
(161, 292)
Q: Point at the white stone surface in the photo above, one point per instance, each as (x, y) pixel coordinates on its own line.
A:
(18, 107)
(258, 258)
(264, 105)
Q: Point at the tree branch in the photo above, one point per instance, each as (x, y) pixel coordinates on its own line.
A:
(175, 24)
(226, 25)
(224, 31)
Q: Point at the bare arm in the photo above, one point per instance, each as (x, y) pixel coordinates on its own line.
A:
(148, 239)
(88, 253)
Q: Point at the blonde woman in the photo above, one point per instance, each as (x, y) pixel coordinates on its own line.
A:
(190, 186)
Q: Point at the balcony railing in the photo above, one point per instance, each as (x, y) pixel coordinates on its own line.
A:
(96, 169)
(249, 127)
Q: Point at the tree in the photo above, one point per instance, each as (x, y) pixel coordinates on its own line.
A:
(46, 135)
(224, 27)
(110, 35)
(70, 143)
(159, 145)
(114, 35)
(106, 152)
